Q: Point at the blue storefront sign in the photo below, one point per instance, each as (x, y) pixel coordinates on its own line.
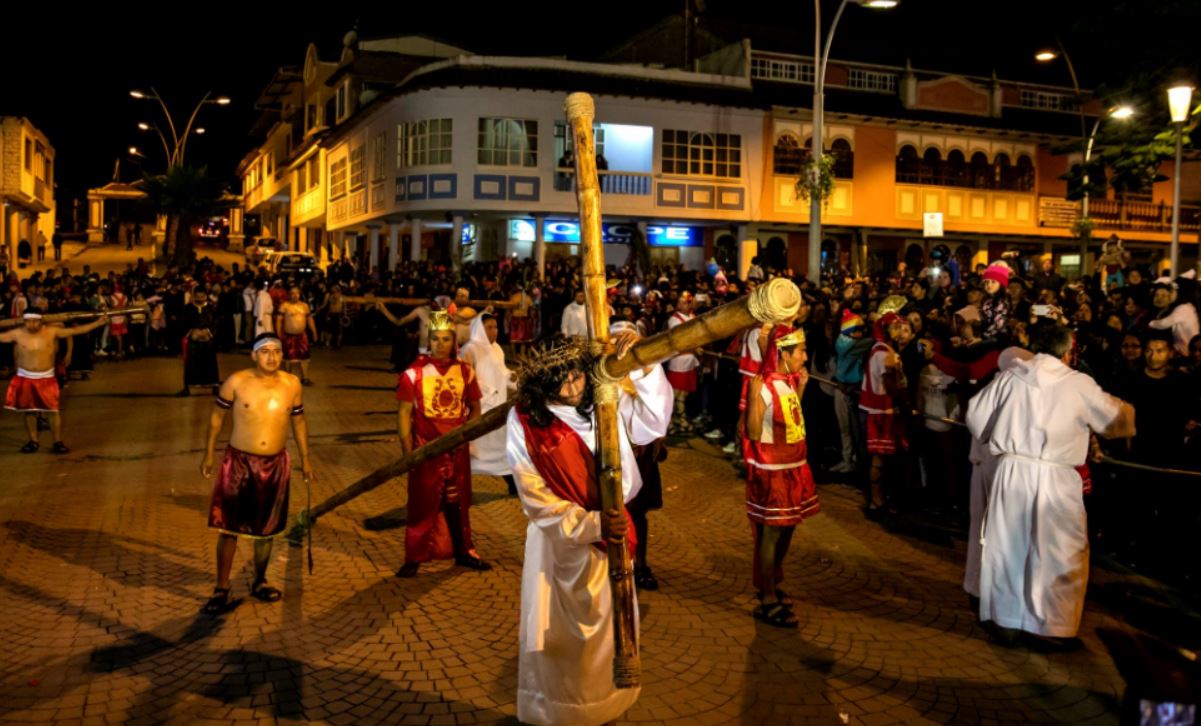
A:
(522, 230)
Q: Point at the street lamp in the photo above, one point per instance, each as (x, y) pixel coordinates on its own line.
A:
(143, 126)
(175, 155)
(1120, 113)
(1180, 98)
(821, 57)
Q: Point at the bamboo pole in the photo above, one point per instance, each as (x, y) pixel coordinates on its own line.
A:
(627, 667)
(66, 317)
(417, 301)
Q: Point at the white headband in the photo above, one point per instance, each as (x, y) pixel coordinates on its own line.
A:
(267, 341)
(32, 316)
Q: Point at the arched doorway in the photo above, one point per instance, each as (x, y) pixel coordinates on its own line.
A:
(776, 254)
(915, 258)
(829, 258)
(725, 251)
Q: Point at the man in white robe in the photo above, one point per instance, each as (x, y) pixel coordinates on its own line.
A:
(575, 318)
(565, 660)
(1035, 420)
(494, 378)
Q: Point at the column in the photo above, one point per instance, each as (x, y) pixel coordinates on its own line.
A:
(373, 249)
(95, 220)
(415, 239)
(237, 235)
(393, 245)
(540, 245)
(456, 241)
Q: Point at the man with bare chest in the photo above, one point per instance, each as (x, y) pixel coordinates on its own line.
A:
(294, 321)
(250, 495)
(34, 389)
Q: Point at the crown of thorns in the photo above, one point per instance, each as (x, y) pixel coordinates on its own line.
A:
(550, 359)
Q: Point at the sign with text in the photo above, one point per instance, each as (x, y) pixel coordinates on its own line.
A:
(522, 230)
(932, 224)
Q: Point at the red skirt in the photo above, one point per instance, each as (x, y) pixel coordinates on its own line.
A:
(885, 434)
(682, 380)
(781, 497)
(521, 330)
(296, 347)
(118, 329)
(32, 394)
(250, 495)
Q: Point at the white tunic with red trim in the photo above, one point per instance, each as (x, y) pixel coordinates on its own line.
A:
(750, 360)
(885, 430)
(681, 369)
(780, 490)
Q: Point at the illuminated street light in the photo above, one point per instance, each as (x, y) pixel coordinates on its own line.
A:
(1180, 97)
(200, 130)
(222, 101)
(179, 142)
(1122, 113)
(1045, 56)
(134, 150)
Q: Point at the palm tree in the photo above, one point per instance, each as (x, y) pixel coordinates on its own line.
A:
(185, 194)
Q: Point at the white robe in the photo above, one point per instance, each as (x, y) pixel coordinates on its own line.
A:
(1035, 419)
(681, 362)
(565, 659)
(264, 309)
(488, 451)
(575, 320)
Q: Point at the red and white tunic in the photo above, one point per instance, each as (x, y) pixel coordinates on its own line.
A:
(885, 430)
(780, 490)
(681, 369)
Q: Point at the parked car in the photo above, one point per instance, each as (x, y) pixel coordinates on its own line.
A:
(258, 252)
(292, 263)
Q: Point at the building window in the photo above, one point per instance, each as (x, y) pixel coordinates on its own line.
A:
(874, 81)
(356, 168)
(907, 165)
(700, 154)
(314, 172)
(930, 172)
(310, 117)
(379, 157)
(1024, 173)
(955, 169)
(340, 106)
(301, 183)
(788, 158)
(785, 71)
(1046, 101)
(844, 159)
(565, 145)
(424, 143)
(337, 179)
(39, 161)
(28, 155)
(980, 171)
(508, 142)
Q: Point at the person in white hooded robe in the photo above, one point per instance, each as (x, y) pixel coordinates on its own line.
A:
(1035, 420)
(495, 379)
(565, 658)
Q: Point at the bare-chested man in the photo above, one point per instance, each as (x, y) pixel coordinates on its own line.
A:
(293, 320)
(250, 496)
(332, 329)
(34, 389)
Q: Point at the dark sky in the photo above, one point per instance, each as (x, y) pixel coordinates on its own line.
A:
(72, 77)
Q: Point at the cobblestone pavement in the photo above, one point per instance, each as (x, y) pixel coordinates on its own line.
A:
(105, 559)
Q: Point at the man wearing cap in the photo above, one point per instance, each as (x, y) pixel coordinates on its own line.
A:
(850, 351)
(436, 395)
(34, 389)
(250, 494)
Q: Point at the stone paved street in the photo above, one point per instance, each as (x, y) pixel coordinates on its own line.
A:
(105, 560)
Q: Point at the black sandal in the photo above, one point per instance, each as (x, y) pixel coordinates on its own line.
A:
(60, 448)
(644, 579)
(776, 615)
(29, 448)
(408, 569)
(260, 590)
(219, 602)
(781, 597)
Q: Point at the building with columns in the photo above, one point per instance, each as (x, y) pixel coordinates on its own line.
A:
(413, 149)
(27, 207)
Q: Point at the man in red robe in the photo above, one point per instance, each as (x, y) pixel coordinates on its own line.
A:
(437, 394)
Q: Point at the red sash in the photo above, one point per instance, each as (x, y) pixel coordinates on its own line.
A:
(567, 466)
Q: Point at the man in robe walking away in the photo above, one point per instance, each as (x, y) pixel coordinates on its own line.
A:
(780, 491)
(437, 394)
(565, 659)
(488, 359)
(1035, 419)
(250, 495)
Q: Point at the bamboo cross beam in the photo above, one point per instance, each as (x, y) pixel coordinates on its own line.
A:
(79, 315)
(417, 301)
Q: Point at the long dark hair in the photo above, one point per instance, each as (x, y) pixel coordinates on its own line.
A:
(540, 383)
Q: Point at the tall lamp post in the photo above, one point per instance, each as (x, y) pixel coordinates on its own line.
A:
(821, 56)
(176, 149)
(1180, 98)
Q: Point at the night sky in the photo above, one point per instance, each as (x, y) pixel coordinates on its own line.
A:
(71, 73)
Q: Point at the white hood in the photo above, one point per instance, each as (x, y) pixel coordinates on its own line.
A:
(1042, 371)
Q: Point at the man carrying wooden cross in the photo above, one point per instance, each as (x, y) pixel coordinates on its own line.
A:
(566, 637)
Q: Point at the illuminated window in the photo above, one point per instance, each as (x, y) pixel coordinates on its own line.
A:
(788, 157)
(700, 154)
(379, 157)
(337, 179)
(1047, 101)
(784, 71)
(508, 142)
(357, 156)
(314, 172)
(874, 81)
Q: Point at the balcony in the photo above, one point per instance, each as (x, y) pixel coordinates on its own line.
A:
(611, 182)
(1112, 214)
